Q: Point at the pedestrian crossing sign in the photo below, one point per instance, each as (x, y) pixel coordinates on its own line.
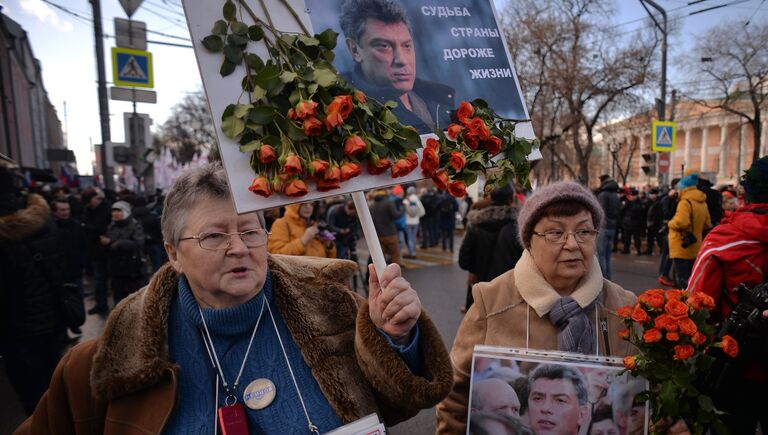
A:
(663, 136)
(132, 68)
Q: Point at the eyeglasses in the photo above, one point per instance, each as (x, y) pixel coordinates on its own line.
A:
(560, 237)
(219, 241)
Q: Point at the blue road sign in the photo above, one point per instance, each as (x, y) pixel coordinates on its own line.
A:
(663, 136)
(132, 67)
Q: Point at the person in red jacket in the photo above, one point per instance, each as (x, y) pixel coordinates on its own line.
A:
(733, 253)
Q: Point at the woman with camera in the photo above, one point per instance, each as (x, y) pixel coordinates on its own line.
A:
(687, 227)
(298, 233)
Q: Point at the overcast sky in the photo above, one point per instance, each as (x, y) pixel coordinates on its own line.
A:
(62, 38)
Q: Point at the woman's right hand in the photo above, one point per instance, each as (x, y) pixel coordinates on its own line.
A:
(309, 234)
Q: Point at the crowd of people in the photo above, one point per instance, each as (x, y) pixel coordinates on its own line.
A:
(222, 289)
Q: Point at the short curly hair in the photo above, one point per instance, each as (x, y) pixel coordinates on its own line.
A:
(354, 13)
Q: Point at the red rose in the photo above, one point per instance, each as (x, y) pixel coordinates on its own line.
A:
(296, 187)
(477, 127)
(292, 165)
(464, 111)
(457, 160)
(401, 167)
(432, 144)
(639, 315)
(305, 109)
(441, 180)
(278, 183)
(688, 327)
(333, 174)
(292, 114)
(674, 294)
(699, 338)
(349, 170)
(353, 145)
(331, 180)
(676, 309)
(319, 167)
(665, 322)
(625, 311)
(652, 335)
(730, 346)
(630, 362)
(260, 186)
(360, 97)
(624, 334)
(683, 352)
(378, 165)
(453, 132)
(429, 162)
(701, 301)
(267, 154)
(313, 127)
(338, 110)
(457, 189)
(493, 145)
(333, 120)
(471, 141)
(673, 336)
(652, 298)
(345, 104)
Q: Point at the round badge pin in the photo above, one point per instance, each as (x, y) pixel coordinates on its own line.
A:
(259, 394)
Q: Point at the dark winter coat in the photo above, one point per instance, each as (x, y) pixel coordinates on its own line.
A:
(150, 222)
(714, 200)
(96, 220)
(126, 247)
(385, 215)
(446, 212)
(491, 246)
(635, 214)
(28, 296)
(73, 244)
(608, 197)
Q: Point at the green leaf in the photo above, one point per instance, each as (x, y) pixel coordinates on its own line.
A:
(387, 134)
(387, 117)
(312, 88)
(412, 139)
(239, 28)
(227, 67)
(469, 178)
(232, 126)
(250, 146)
(254, 63)
(262, 115)
(288, 39)
(390, 104)
(295, 133)
(269, 78)
(328, 39)
(324, 77)
(256, 33)
(239, 41)
(288, 76)
(310, 42)
(241, 110)
(229, 10)
(233, 54)
(219, 28)
(258, 93)
(706, 403)
(228, 111)
(213, 43)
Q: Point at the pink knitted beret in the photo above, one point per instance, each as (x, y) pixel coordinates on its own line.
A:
(562, 191)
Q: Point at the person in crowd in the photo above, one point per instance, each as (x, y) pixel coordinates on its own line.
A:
(378, 36)
(634, 217)
(557, 400)
(397, 196)
(714, 200)
(667, 208)
(125, 243)
(299, 233)
(490, 246)
(414, 211)
(608, 196)
(225, 325)
(733, 253)
(495, 395)
(730, 202)
(446, 219)
(602, 422)
(96, 218)
(555, 298)
(491, 423)
(628, 415)
(75, 205)
(72, 236)
(153, 236)
(345, 226)
(32, 331)
(652, 221)
(429, 231)
(687, 227)
(385, 216)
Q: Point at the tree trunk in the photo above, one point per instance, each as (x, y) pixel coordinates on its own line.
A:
(757, 133)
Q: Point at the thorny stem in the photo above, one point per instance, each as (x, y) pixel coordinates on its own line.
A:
(295, 17)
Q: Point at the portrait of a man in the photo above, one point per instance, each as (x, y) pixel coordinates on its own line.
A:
(557, 400)
(379, 38)
(495, 396)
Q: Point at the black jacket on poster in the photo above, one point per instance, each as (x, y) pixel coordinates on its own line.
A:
(491, 246)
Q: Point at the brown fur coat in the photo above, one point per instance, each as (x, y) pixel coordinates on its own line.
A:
(124, 383)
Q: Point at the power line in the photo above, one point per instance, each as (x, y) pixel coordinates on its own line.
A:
(165, 8)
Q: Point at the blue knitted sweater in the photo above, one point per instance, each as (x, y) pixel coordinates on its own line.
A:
(230, 330)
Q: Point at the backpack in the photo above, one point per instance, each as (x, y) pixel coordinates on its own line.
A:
(412, 210)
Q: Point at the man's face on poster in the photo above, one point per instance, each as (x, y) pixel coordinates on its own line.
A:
(386, 54)
(553, 408)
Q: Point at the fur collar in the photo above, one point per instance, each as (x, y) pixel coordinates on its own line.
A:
(133, 350)
(492, 214)
(540, 295)
(27, 221)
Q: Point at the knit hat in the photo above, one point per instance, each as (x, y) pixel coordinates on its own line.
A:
(755, 181)
(688, 181)
(564, 191)
(123, 207)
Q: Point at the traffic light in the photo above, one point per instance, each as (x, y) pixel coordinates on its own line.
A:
(649, 168)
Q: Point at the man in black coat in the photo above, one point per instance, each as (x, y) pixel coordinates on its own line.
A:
(72, 237)
(608, 196)
(491, 246)
(96, 218)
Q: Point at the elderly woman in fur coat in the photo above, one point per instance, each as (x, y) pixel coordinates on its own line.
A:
(555, 298)
(229, 336)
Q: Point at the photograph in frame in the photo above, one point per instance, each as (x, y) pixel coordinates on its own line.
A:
(519, 391)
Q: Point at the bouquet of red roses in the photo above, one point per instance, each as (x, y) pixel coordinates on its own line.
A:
(670, 329)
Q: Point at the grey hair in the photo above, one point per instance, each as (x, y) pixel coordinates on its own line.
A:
(556, 371)
(208, 181)
(354, 13)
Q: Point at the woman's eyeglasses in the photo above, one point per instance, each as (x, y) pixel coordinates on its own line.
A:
(218, 241)
(560, 237)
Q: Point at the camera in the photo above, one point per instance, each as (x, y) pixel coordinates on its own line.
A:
(688, 239)
(322, 226)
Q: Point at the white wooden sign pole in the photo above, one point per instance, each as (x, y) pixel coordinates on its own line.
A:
(369, 231)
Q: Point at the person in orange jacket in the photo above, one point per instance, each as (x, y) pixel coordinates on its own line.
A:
(298, 233)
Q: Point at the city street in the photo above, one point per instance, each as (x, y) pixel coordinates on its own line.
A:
(441, 285)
